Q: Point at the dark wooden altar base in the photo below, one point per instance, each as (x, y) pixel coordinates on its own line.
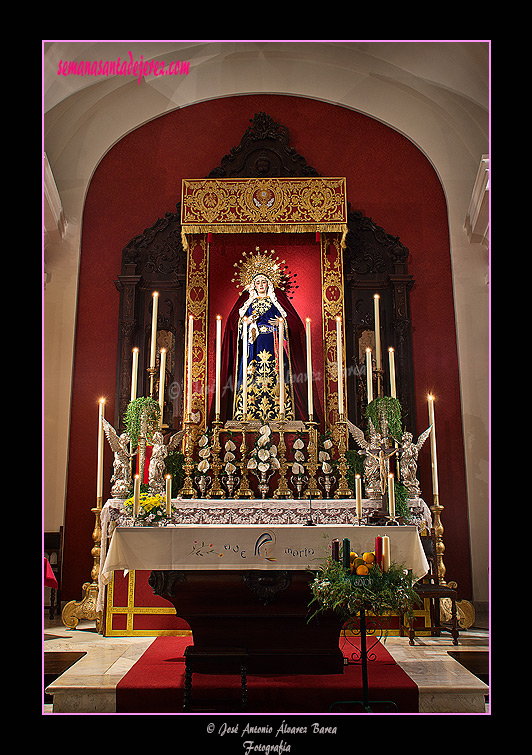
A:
(265, 612)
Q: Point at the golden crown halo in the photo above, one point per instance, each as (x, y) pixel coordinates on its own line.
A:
(261, 263)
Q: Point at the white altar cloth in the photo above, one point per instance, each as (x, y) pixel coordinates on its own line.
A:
(285, 547)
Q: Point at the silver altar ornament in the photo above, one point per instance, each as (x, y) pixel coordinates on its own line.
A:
(328, 479)
(408, 463)
(229, 479)
(121, 478)
(263, 462)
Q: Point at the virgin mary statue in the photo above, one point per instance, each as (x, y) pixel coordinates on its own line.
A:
(251, 343)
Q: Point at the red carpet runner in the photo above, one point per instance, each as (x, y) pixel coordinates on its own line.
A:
(155, 684)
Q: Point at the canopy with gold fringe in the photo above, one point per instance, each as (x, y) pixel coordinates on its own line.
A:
(269, 205)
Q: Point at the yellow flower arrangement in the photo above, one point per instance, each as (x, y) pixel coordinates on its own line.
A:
(152, 508)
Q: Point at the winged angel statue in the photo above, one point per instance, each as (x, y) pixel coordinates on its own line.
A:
(378, 452)
(121, 479)
(409, 454)
(157, 468)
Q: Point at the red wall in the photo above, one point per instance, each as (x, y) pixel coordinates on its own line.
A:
(388, 179)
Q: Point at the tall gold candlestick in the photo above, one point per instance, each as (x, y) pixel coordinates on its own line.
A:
(433, 454)
(168, 491)
(136, 496)
(376, 301)
(309, 370)
(188, 490)
(218, 366)
(340, 366)
(369, 376)
(155, 298)
(391, 496)
(244, 491)
(358, 492)
(393, 391)
(245, 369)
(282, 490)
(162, 375)
(216, 490)
(312, 491)
(134, 373)
(190, 336)
(378, 355)
(99, 478)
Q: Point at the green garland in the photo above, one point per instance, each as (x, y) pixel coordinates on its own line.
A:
(335, 589)
(174, 464)
(133, 415)
(402, 508)
(391, 409)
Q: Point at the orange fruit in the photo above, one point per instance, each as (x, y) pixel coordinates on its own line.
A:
(362, 569)
(369, 558)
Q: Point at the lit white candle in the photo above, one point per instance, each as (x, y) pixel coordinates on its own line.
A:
(386, 555)
(376, 300)
(245, 368)
(218, 365)
(134, 373)
(136, 495)
(369, 376)
(99, 478)
(340, 369)
(391, 495)
(358, 490)
(433, 455)
(155, 297)
(281, 368)
(168, 495)
(190, 336)
(393, 392)
(309, 370)
(162, 375)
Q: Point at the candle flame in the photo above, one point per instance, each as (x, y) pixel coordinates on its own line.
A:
(430, 397)
(135, 350)
(101, 401)
(218, 317)
(155, 293)
(376, 296)
(368, 350)
(391, 349)
(338, 319)
(307, 319)
(163, 351)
